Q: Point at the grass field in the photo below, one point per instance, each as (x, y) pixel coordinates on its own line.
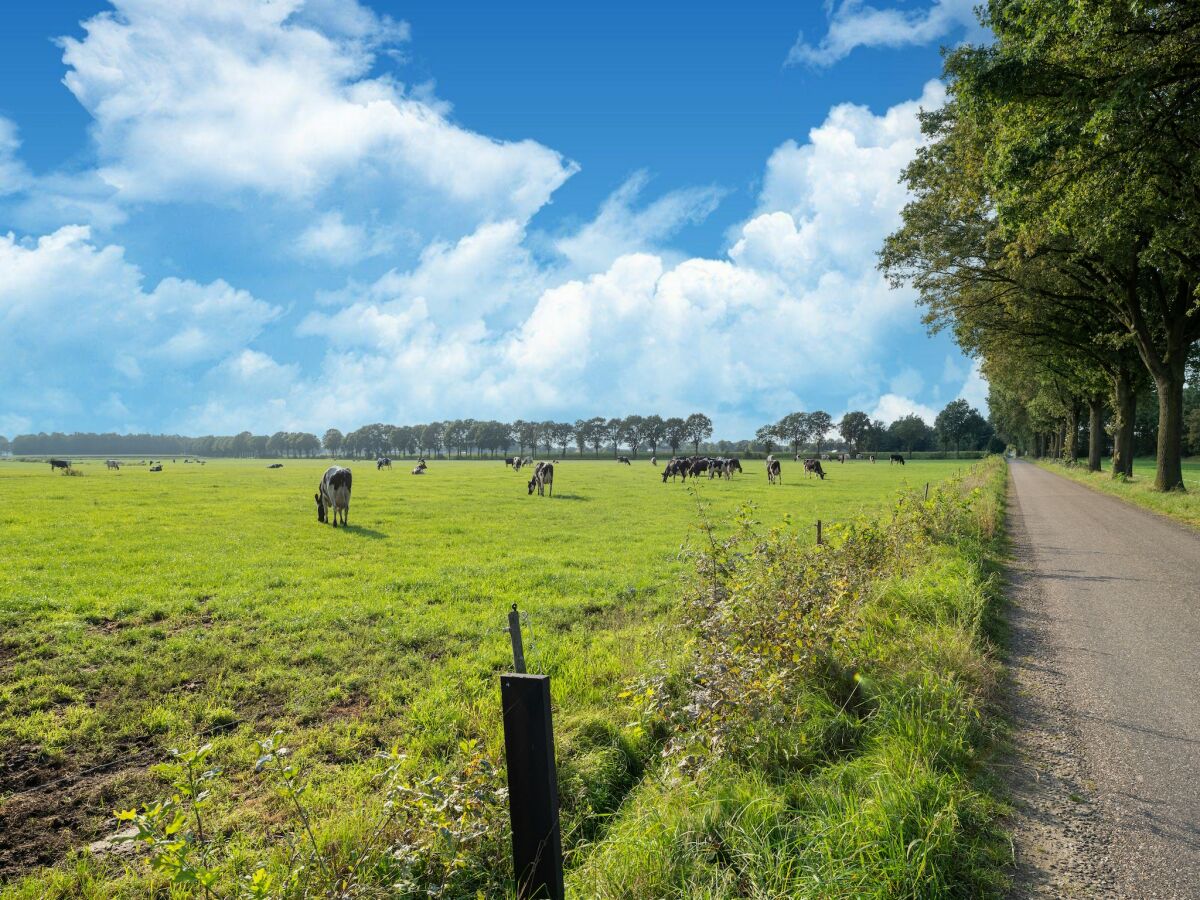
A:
(1184, 506)
(138, 610)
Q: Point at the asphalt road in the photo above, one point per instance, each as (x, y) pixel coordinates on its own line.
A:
(1105, 655)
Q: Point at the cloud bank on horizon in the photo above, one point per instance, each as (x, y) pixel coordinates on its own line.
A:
(451, 301)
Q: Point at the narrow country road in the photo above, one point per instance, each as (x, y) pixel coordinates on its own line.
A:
(1105, 659)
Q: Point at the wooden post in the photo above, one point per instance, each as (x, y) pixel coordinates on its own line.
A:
(514, 631)
(926, 492)
(818, 531)
(532, 787)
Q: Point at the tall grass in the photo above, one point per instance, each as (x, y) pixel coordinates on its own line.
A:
(831, 749)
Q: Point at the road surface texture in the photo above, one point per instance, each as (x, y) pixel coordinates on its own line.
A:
(1105, 661)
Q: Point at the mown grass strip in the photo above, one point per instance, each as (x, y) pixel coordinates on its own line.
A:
(1183, 506)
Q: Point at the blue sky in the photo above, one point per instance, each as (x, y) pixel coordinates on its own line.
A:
(228, 214)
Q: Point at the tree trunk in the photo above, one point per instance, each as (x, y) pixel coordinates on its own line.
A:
(1168, 475)
(1071, 444)
(1124, 411)
(1095, 431)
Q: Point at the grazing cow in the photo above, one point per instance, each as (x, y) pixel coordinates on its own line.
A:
(275, 466)
(774, 471)
(896, 458)
(418, 470)
(517, 463)
(624, 459)
(59, 464)
(509, 460)
(382, 463)
(157, 468)
(731, 466)
(333, 495)
(543, 477)
(112, 464)
(872, 458)
(813, 467)
(654, 460)
(698, 465)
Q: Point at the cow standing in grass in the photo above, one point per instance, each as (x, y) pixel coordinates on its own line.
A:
(382, 463)
(625, 460)
(112, 464)
(813, 467)
(59, 464)
(543, 477)
(774, 471)
(333, 495)
(896, 458)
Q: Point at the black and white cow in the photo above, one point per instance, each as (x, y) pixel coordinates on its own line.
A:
(813, 467)
(275, 466)
(896, 458)
(543, 477)
(333, 495)
(774, 471)
(382, 463)
(112, 464)
(625, 460)
(59, 464)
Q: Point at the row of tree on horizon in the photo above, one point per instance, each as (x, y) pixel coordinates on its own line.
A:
(957, 427)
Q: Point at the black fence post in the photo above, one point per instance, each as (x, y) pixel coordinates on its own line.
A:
(514, 631)
(532, 787)
(818, 531)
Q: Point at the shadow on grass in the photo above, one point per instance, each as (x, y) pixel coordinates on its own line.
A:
(365, 532)
(579, 497)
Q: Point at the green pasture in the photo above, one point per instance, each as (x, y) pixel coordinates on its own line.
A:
(139, 610)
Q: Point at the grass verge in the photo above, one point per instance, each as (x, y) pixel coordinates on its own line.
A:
(1183, 506)
(825, 725)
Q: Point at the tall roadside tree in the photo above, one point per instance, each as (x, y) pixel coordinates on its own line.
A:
(1090, 112)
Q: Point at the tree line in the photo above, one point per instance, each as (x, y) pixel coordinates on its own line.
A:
(958, 427)
(1053, 225)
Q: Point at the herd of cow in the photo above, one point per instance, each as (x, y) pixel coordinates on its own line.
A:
(333, 494)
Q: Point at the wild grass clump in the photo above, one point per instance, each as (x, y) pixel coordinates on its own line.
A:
(826, 724)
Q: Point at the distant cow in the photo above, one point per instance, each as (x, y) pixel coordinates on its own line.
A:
(896, 458)
(333, 495)
(624, 459)
(59, 464)
(420, 467)
(382, 463)
(654, 460)
(275, 466)
(543, 477)
(157, 468)
(774, 471)
(813, 467)
(509, 460)
(872, 458)
(112, 464)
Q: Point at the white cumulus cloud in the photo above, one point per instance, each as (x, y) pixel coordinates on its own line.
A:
(214, 98)
(854, 24)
